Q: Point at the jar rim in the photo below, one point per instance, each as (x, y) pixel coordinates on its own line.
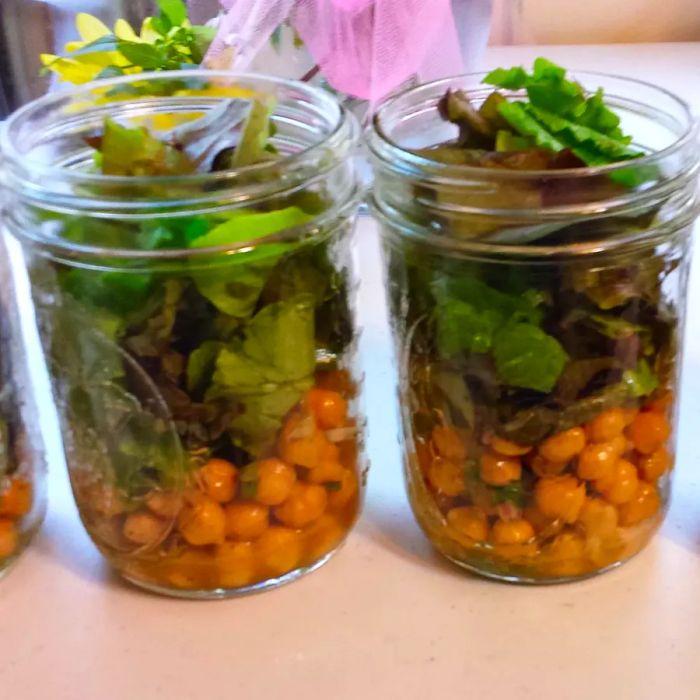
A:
(10, 153)
(65, 190)
(451, 174)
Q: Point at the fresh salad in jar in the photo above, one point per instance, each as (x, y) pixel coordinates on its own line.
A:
(538, 283)
(201, 349)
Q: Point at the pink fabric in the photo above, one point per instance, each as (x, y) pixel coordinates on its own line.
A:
(364, 48)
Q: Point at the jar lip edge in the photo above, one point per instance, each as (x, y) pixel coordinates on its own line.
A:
(85, 251)
(449, 244)
(11, 156)
(451, 172)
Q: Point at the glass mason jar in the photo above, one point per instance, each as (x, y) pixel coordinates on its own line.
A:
(538, 319)
(22, 448)
(199, 331)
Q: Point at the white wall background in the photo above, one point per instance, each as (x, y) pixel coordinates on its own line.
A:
(594, 21)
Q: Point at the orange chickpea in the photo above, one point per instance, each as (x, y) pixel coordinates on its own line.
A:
(607, 425)
(143, 528)
(191, 569)
(8, 538)
(661, 404)
(306, 503)
(448, 443)
(630, 414)
(324, 536)
(279, 549)
(347, 491)
(446, 477)
(560, 497)
(329, 408)
(302, 443)
(564, 446)
(326, 472)
(656, 464)
(644, 504)
(235, 562)
(218, 480)
(566, 554)
(499, 471)
(202, 521)
(538, 520)
(469, 521)
(620, 445)
(597, 460)
(542, 467)
(275, 481)
(598, 518)
(512, 532)
(620, 485)
(16, 500)
(506, 447)
(649, 431)
(246, 521)
(166, 504)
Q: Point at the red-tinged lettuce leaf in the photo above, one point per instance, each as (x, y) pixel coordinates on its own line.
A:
(135, 152)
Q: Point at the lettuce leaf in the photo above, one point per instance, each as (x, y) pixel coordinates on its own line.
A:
(528, 358)
(268, 370)
(135, 152)
(234, 288)
(559, 114)
(640, 381)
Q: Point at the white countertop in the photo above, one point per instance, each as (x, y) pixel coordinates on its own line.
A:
(385, 618)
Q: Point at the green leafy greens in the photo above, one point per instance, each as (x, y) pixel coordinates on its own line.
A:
(559, 114)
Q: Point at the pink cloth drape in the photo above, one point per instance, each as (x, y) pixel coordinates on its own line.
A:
(364, 48)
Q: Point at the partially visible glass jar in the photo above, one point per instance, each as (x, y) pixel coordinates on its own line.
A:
(22, 448)
(199, 331)
(538, 317)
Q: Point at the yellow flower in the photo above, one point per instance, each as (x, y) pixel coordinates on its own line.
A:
(86, 67)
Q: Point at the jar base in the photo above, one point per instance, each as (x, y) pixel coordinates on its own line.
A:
(534, 580)
(223, 593)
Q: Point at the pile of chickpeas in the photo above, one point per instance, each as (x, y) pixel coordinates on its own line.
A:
(234, 526)
(15, 503)
(588, 497)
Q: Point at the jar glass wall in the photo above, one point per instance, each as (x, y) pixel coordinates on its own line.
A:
(199, 331)
(22, 447)
(538, 319)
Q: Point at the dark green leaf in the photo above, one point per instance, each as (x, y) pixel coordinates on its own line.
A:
(201, 364)
(146, 56)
